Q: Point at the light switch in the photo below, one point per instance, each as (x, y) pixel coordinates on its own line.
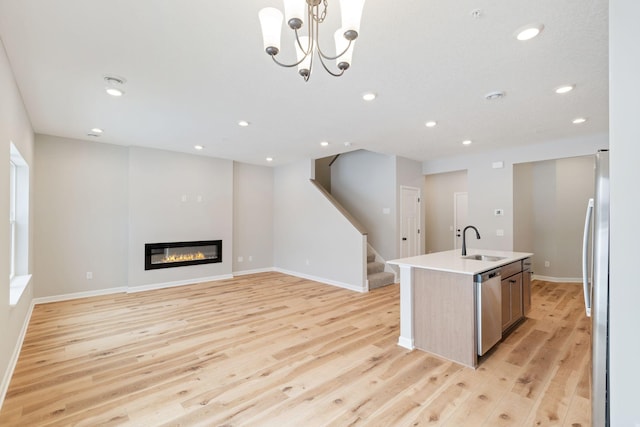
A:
(500, 232)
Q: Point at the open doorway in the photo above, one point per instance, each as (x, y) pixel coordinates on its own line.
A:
(440, 209)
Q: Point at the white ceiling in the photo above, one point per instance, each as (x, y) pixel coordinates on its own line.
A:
(194, 68)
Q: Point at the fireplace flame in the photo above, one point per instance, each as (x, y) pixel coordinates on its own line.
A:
(183, 257)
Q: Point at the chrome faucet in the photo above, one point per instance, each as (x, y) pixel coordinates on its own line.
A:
(464, 238)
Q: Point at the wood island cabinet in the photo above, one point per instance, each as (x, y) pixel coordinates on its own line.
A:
(516, 292)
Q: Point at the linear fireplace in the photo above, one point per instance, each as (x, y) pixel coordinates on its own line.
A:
(178, 254)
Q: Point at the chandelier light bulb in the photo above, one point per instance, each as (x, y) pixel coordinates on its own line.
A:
(295, 11)
(351, 15)
(271, 22)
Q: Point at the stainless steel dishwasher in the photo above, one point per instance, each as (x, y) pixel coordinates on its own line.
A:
(489, 309)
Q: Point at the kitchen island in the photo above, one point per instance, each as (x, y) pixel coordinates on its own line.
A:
(439, 304)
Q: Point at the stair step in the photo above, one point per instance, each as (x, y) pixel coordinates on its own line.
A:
(378, 280)
(374, 267)
(371, 257)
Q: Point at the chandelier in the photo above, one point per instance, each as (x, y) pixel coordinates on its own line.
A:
(313, 13)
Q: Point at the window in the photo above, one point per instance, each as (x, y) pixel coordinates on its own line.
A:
(19, 225)
(12, 216)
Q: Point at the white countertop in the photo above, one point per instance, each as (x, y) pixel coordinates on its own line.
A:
(453, 262)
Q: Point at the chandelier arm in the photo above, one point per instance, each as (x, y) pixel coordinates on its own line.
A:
(286, 65)
(328, 70)
(331, 58)
(308, 50)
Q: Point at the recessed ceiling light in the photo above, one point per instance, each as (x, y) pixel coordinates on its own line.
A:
(431, 124)
(347, 144)
(96, 130)
(243, 123)
(114, 91)
(529, 32)
(467, 142)
(198, 147)
(579, 120)
(324, 143)
(370, 96)
(494, 95)
(269, 159)
(564, 89)
(114, 83)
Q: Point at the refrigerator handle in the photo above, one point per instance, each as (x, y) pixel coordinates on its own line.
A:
(585, 257)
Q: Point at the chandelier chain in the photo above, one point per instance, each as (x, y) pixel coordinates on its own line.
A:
(321, 17)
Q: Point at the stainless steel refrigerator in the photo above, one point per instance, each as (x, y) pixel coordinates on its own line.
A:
(595, 272)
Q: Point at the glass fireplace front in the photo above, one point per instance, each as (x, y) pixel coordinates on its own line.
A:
(179, 254)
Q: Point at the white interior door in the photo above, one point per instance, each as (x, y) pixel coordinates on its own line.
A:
(460, 217)
(409, 221)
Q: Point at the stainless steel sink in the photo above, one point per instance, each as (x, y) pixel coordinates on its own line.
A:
(479, 257)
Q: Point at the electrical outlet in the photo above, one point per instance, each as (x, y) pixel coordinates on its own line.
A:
(499, 233)
(240, 259)
(89, 275)
(547, 264)
(250, 258)
(498, 212)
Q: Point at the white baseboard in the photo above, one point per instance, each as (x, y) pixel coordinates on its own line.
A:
(406, 343)
(557, 279)
(321, 280)
(154, 286)
(254, 271)
(76, 295)
(4, 386)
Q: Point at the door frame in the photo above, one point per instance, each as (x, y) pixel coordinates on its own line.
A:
(456, 194)
(418, 233)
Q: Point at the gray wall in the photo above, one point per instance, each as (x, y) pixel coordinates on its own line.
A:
(178, 197)
(14, 127)
(103, 202)
(490, 188)
(523, 208)
(550, 199)
(625, 234)
(438, 206)
(311, 237)
(81, 216)
(368, 184)
(408, 174)
(364, 183)
(252, 217)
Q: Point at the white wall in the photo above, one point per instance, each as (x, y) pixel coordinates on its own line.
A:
(252, 217)
(491, 189)
(311, 237)
(14, 127)
(625, 233)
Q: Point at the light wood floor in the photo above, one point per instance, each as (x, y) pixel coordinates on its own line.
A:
(275, 350)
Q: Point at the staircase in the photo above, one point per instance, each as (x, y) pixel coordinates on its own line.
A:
(376, 276)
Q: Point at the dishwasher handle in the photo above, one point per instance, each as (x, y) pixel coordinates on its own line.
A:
(487, 275)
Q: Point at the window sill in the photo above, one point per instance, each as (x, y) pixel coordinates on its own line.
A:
(17, 287)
